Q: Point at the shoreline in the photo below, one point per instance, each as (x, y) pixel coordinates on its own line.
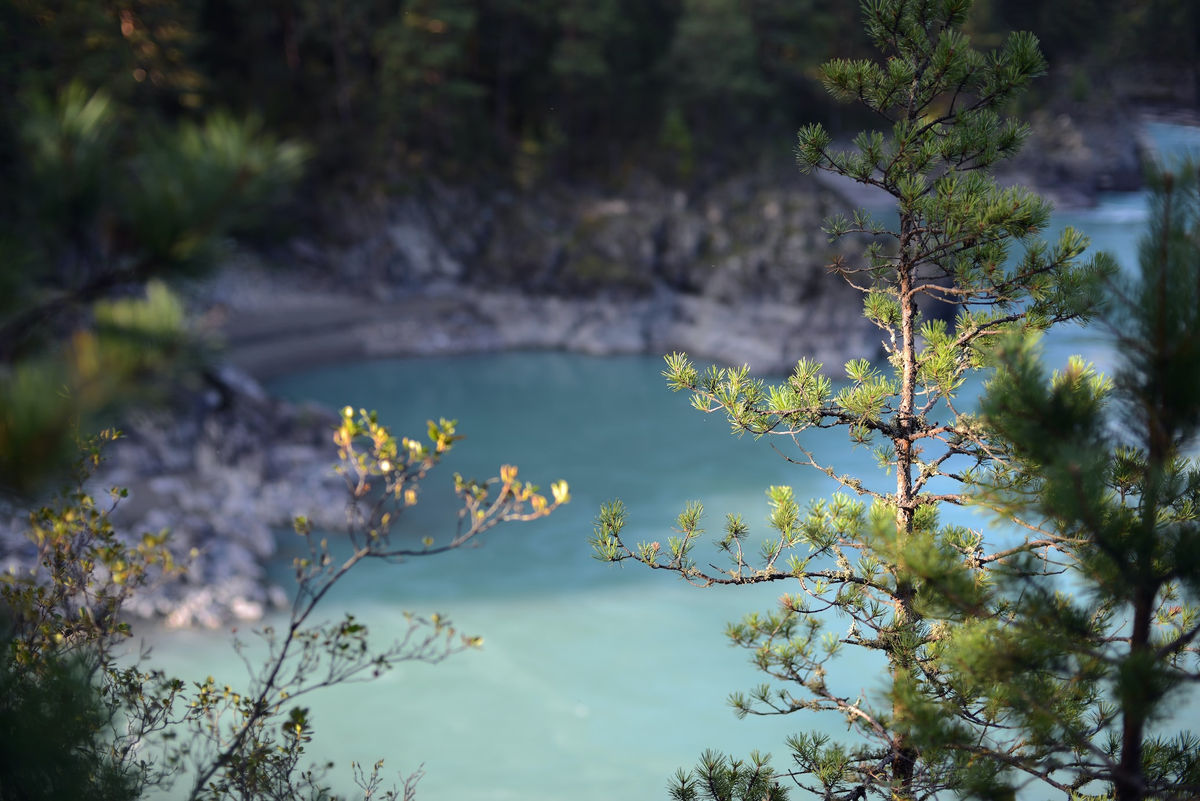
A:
(273, 321)
(769, 336)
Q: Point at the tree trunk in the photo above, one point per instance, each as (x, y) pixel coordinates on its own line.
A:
(1129, 783)
(901, 660)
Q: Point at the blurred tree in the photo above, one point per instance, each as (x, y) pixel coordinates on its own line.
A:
(514, 53)
(1067, 28)
(607, 65)
(715, 76)
(380, 81)
(580, 61)
(430, 96)
(1161, 32)
(1101, 466)
(140, 52)
(794, 40)
(104, 212)
(103, 208)
(257, 55)
(1108, 38)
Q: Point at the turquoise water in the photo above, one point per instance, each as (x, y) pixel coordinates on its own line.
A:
(1175, 143)
(595, 681)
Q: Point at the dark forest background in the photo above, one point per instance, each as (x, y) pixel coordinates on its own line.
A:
(531, 88)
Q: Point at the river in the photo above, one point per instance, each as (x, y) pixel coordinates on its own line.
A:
(594, 682)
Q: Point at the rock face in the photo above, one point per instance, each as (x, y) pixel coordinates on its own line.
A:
(750, 235)
(1071, 157)
(745, 239)
(735, 273)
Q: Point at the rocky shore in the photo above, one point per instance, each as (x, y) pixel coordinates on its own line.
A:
(222, 470)
(734, 273)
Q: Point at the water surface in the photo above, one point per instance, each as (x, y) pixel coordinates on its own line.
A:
(595, 681)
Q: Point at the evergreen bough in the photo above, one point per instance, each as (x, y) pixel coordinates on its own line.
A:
(1087, 668)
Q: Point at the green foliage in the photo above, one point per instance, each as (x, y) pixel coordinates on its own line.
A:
(1100, 31)
(69, 143)
(110, 205)
(883, 562)
(45, 750)
(133, 346)
(720, 778)
(199, 184)
(67, 672)
(140, 51)
(714, 64)
(427, 91)
(65, 637)
(456, 84)
(1101, 469)
(107, 209)
(675, 137)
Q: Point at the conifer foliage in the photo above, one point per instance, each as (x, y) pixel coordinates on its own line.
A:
(1088, 668)
(862, 569)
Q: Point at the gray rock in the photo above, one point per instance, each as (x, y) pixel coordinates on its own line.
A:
(220, 478)
(1077, 151)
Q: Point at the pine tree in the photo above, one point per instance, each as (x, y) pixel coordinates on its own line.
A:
(959, 242)
(1081, 667)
